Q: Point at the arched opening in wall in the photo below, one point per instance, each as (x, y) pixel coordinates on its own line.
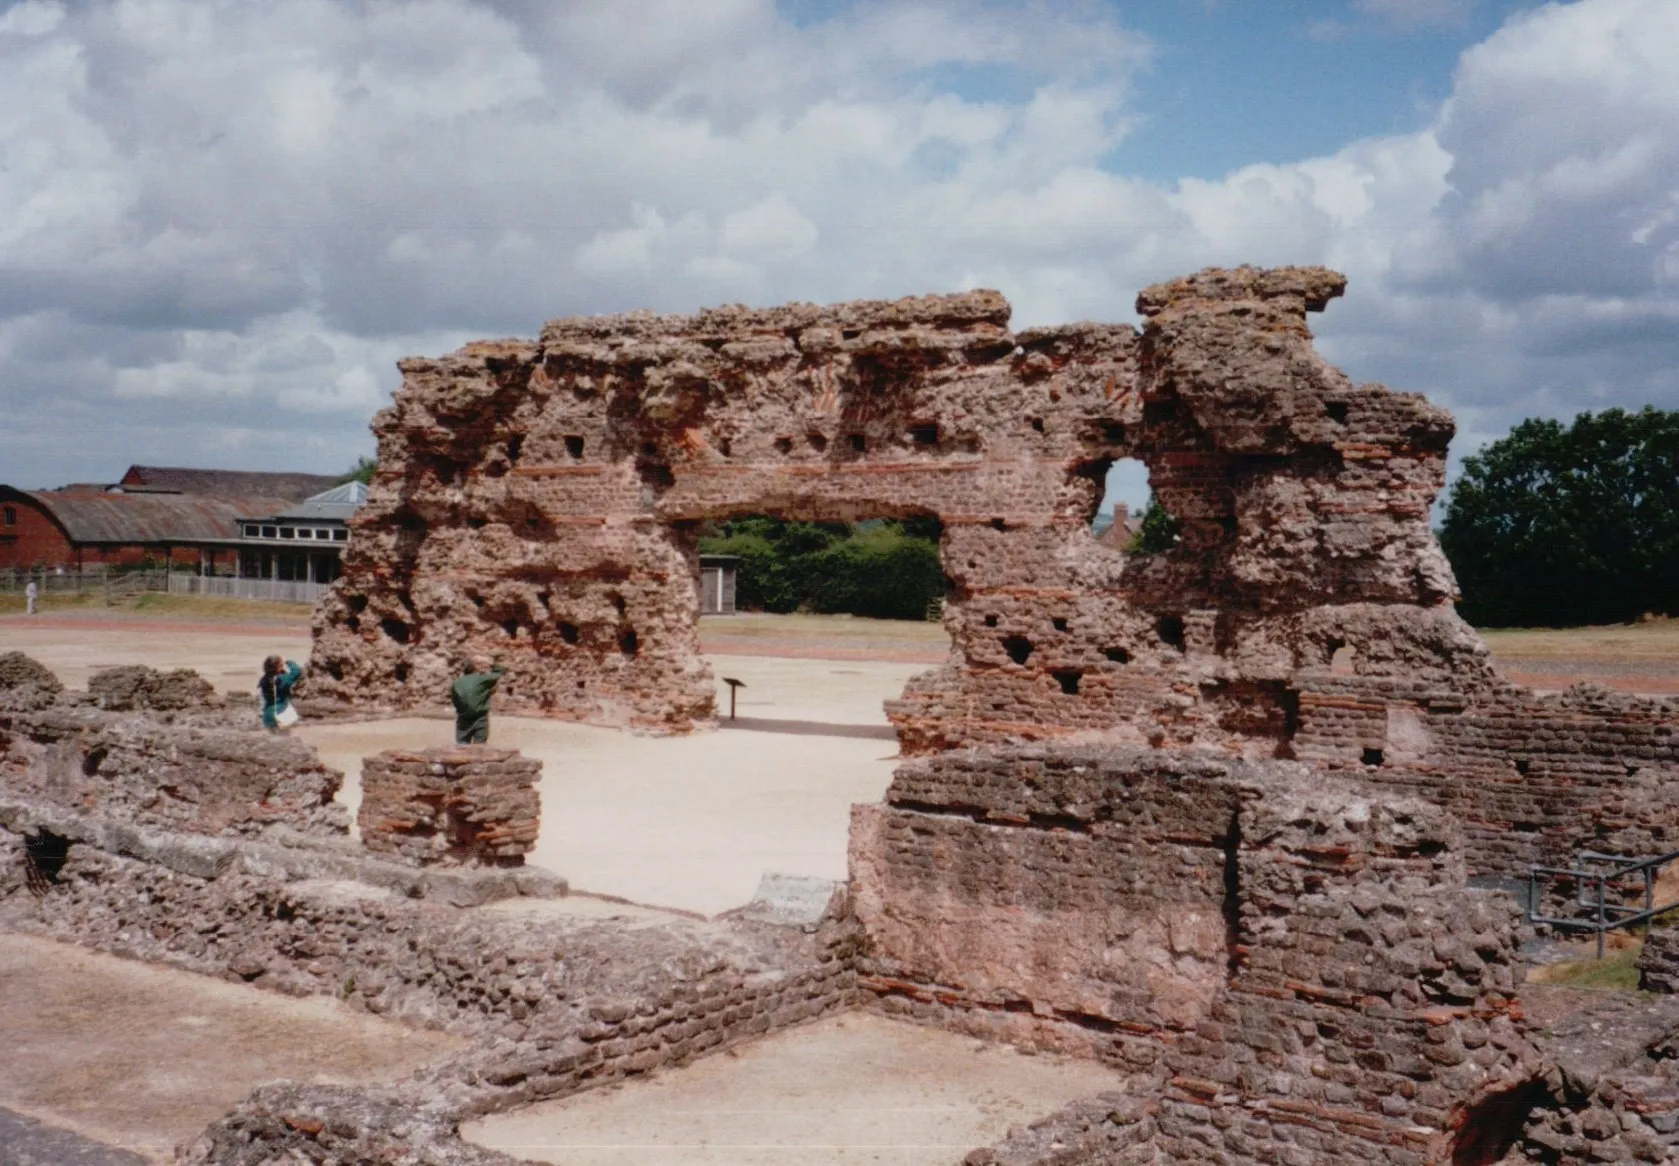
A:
(858, 603)
(1128, 517)
(883, 568)
(44, 856)
(1492, 1127)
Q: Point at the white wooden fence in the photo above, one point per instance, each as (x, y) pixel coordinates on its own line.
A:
(93, 579)
(276, 590)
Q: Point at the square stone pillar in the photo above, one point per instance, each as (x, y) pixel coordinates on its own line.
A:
(464, 805)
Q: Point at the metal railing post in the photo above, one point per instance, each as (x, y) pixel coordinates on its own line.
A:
(1600, 927)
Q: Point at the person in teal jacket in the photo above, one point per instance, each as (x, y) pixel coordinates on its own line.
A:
(471, 697)
(278, 678)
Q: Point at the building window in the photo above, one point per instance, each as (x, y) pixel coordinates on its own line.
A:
(288, 532)
(270, 532)
(341, 535)
(251, 531)
(320, 533)
(305, 532)
(11, 516)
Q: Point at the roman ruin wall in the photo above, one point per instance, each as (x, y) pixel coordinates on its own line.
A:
(1209, 815)
(541, 502)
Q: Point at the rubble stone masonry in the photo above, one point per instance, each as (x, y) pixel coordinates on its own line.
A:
(467, 804)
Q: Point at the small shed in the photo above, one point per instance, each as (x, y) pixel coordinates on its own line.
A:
(717, 584)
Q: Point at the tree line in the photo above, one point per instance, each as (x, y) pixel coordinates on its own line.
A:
(1558, 525)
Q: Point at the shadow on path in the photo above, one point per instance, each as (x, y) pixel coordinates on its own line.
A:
(810, 728)
(25, 1142)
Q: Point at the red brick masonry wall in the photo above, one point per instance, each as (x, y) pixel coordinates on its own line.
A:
(467, 804)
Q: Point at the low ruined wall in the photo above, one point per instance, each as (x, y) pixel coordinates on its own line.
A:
(1058, 897)
(1294, 957)
(553, 1004)
(1531, 778)
(465, 804)
(1658, 963)
(185, 771)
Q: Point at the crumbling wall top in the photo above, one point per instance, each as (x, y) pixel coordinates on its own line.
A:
(1302, 289)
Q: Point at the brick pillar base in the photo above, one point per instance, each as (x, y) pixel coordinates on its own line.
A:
(465, 805)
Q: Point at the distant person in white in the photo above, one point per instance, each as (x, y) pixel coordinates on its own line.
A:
(29, 594)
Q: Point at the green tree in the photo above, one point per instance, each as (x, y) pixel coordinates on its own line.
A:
(1555, 526)
(361, 472)
(888, 569)
(1157, 532)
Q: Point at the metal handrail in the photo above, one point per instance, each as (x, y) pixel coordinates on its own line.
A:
(1605, 915)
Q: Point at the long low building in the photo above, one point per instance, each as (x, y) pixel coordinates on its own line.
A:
(211, 522)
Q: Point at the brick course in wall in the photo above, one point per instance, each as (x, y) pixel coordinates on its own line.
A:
(465, 804)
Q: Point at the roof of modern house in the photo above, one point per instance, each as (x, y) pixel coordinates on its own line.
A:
(148, 518)
(334, 505)
(243, 484)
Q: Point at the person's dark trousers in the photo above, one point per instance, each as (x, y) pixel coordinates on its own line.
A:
(472, 732)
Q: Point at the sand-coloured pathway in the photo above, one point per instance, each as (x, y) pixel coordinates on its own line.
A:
(846, 1090)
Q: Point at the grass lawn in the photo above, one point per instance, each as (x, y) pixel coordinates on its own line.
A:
(1617, 971)
(1655, 640)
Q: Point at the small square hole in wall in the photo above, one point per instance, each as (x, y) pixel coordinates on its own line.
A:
(1059, 623)
(1117, 655)
(574, 445)
(990, 621)
(784, 445)
(1337, 411)
(1068, 679)
(859, 443)
(1170, 630)
(818, 441)
(1371, 756)
(924, 435)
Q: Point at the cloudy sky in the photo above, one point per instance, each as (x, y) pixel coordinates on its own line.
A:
(222, 221)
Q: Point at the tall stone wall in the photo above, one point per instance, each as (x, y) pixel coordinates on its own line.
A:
(541, 500)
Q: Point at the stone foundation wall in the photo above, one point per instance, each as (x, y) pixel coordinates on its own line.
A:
(461, 805)
(184, 771)
(1658, 963)
(1281, 950)
(553, 1004)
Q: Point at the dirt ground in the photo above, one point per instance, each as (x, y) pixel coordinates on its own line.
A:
(846, 1090)
(692, 822)
(144, 1057)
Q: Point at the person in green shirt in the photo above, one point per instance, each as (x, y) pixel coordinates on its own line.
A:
(471, 697)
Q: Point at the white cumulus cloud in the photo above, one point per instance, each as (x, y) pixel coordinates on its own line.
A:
(220, 225)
